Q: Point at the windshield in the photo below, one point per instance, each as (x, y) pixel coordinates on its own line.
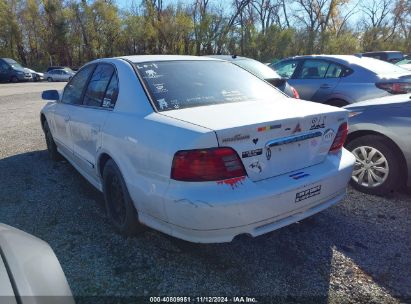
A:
(16, 66)
(184, 84)
(404, 61)
(257, 68)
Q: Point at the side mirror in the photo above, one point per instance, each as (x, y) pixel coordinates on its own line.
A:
(50, 95)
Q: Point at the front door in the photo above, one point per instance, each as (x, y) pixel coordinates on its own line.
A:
(66, 108)
(4, 72)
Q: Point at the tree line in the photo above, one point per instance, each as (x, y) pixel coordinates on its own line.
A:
(38, 33)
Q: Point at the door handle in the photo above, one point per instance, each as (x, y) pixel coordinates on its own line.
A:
(325, 86)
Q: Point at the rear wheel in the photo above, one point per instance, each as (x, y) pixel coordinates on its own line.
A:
(337, 103)
(51, 145)
(377, 168)
(119, 206)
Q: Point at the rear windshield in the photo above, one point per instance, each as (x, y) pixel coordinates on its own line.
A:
(381, 67)
(257, 68)
(185, 84)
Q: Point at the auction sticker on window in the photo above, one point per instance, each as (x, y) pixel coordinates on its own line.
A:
(303, 195)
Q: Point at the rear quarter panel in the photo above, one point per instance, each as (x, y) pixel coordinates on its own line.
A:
(394, 122)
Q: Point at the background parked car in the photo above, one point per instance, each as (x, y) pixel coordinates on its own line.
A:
(59, 75)
(389, 56)
(343, 79)
(37, 76)
(261, 71)
(380, 138)
(12, 71)
(58, 67)
(29, 270)
(405, 64)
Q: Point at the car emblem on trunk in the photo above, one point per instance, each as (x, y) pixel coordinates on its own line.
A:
(268, 154)
(255, 140)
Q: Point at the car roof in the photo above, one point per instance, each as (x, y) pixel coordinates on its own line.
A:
(377, 52)
(147, 58)
(344, 59)
(229, 57)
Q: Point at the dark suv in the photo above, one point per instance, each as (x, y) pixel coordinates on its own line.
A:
(389, 56)
(11, 71)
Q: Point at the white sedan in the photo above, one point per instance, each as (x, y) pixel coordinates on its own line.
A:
(197, 148)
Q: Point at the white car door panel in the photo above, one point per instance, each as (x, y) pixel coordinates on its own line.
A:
(88, 120)
(62, 135)
(86, 125)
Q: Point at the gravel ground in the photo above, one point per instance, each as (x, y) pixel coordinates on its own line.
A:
(355, 252)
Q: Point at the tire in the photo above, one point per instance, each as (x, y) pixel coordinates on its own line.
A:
(119, 206)
(14, 79)
(379, 174)
(49, 79)
(51, 145)
(337, 103)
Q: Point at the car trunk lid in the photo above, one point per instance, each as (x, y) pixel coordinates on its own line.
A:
(271, 138)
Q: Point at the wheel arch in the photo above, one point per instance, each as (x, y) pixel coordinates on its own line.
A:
(42, 120)
(101, 162)
(361, 133)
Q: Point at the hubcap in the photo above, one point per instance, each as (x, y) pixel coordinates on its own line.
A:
(117, 200)
(371, 167)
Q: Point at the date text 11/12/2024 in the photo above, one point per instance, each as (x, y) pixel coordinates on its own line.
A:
(203, 299)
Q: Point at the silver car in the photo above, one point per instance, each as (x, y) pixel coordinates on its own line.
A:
(30, 272)
(58, 75)
(380, 138)
(261, 71)
(343, 79)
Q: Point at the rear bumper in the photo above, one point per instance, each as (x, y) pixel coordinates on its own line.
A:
(212, 212)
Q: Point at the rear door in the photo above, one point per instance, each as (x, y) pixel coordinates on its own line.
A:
(316, 79)
(88, 119)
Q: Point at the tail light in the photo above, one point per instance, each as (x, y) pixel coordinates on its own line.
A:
(295, 93)
(339, 138)
(394, 87)
(206, 165)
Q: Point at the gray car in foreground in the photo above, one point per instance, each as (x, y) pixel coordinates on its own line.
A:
(29, 270)
(339, 80)
(380, 138)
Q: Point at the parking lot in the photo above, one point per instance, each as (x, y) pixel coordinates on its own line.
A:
(355, 252)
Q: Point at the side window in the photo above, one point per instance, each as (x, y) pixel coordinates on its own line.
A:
(74, 90)
(110, 98)
(286, 68)
(98, 85)
(3, 66)
(334, 71)
(313, 69)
